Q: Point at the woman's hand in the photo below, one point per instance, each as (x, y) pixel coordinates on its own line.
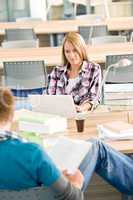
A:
(76, 179)
(84, 107)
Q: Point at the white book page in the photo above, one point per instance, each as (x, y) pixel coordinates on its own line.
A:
(69, 153)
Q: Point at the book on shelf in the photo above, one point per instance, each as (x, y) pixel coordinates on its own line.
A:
(118, 95)
(118, 87)
(115, 130)
(119, 107)
(120, 102)
(30, 121)
(68, 153)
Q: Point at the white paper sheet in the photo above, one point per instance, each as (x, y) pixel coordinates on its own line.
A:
(69, 153)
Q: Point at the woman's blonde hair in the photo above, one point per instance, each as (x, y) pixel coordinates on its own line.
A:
(79, 44)
(6, 104)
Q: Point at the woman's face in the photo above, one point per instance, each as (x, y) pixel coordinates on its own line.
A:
(72, 55)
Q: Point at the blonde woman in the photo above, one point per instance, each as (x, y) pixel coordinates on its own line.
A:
(77, 76)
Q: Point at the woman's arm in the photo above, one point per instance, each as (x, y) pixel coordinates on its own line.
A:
(94, 81)
(94, 94)
(84, 107)
(52, 82)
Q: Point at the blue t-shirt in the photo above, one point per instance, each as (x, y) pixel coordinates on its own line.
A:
(24, 165)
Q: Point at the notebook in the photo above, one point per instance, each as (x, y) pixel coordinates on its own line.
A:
(62, 105)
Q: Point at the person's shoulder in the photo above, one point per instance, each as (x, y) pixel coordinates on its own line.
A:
(60, 68)
(20, 143)
(89, 65)
(93, 64)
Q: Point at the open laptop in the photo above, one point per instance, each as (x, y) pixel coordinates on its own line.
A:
(62, 105)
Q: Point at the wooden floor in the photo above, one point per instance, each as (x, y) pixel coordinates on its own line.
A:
(101, 190)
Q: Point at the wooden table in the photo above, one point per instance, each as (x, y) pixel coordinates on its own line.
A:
(90, 130)
(53, 26)
(47, 27)
(120, 23)
(52, 55)
(65, 26)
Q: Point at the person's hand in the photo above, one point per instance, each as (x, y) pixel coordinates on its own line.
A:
(84, 107)
(76, 179)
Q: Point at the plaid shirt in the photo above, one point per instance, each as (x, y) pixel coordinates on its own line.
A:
(85, 88)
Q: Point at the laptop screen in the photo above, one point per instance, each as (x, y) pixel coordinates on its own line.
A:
(62, 105)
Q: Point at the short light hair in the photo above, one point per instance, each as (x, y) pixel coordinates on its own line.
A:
(6, 104)
(79, 44)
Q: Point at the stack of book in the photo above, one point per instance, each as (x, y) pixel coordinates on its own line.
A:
(36, 122)
(118, 94)
(115, 130)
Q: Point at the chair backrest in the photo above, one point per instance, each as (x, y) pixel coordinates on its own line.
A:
(81, 9)
(88, 32)
(25, 75)
(84, 31)
(28, 19)
(38, 193)
(20, 34)
(90, 17)
(108, 39)
(68, 10)
(20, 44)
(121, 74)
(20, 38)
